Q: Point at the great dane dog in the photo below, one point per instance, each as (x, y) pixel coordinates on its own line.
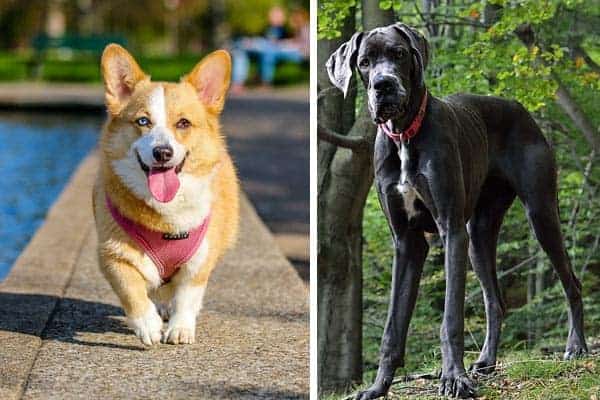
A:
(452, 166)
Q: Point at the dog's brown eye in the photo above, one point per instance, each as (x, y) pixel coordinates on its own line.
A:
(183, 124)
(402, 53)
(364, 63)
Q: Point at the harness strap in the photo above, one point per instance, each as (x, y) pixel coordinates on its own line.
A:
(167, 250)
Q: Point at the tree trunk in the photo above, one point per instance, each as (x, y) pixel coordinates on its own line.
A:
(340, 211)
(218, 21)
(344, 179)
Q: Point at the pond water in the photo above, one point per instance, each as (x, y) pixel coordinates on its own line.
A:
(40, 151)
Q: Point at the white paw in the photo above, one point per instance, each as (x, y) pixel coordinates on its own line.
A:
(148, 327)
(181, 330)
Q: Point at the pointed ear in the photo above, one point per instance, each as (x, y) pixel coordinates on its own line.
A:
(340, 64)
(211, 77)
(120, 73)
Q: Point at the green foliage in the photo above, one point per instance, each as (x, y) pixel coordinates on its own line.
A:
(84, 68)
(12, 67)
(492, 60)
(488, 58)
(331, 15)
(148, 25)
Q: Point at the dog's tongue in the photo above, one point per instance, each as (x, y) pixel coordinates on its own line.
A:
(163, 184)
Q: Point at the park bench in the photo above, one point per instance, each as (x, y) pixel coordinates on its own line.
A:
(88, 44)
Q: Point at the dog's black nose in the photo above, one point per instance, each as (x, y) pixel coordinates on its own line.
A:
(384, 84)
(162, 153)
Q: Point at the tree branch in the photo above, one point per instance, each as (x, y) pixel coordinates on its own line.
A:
(563, 97)
(441, 19)
(584, 185)
(358, 144)
(575, 113)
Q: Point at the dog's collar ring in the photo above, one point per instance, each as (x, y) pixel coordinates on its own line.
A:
(413, 128)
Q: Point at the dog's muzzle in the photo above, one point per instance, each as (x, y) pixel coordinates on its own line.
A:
(387, 99)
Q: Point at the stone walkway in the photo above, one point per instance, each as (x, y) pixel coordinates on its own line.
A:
(62, 332)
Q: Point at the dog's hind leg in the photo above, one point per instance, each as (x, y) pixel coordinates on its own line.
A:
(483, 228)
(539, 196)
(544, 220)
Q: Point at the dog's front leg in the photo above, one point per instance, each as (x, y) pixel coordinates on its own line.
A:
(454, 381)
(410, 251)
(131, 288)
(445, 197)
(186, 304)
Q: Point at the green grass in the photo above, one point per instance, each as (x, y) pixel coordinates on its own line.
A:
(520, 376)
(85, 68)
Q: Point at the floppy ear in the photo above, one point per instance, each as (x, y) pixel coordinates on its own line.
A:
(120, 73)
(211, 77)
(341, 63)
(418, 45)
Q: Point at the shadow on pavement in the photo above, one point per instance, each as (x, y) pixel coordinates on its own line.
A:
(68, 318)
(225, 390)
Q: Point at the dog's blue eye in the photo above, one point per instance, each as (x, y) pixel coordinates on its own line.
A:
(143, 121)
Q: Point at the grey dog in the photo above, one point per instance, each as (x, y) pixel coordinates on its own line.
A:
(458, 176)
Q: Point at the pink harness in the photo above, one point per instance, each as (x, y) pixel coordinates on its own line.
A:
(168, 251)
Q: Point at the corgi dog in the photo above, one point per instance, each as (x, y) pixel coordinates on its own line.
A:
(166, 201)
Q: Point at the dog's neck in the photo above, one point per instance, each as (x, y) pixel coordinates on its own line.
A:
(400, 124)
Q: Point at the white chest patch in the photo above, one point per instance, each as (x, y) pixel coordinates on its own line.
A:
(408, 192)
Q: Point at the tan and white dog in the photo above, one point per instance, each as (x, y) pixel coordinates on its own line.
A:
(166, 200)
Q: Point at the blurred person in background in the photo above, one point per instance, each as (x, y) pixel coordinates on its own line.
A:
(272, 48)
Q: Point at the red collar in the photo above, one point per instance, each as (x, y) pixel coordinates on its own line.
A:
(413, 128)
(168, 251)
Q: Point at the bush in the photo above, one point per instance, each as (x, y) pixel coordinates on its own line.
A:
(86, 68)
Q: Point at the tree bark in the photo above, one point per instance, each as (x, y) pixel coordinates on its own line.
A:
(343, 180)
(337, 316)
